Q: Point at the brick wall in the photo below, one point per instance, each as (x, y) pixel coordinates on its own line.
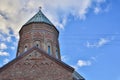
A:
(39, 32)
(35, 66)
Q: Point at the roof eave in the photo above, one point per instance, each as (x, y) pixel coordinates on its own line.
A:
(33, 48)
(39, 22)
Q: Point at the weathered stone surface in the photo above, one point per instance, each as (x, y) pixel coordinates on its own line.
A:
(35, 66)
(44, 33)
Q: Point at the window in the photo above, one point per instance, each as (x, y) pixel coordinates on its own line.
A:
(25, 48)
(18, 53)
(57, 55)
(37, 43)
(49, 50)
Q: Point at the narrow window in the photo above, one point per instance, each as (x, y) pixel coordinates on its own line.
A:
(49, 50)
(18, 53)
(37, 44)
(25, 48)
(57, 55)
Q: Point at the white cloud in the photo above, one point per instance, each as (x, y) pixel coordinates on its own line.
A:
(76, 67)
(3, 46)
(93, 58)
(82, 63)
(2, 38)
(6, 37)
(102, 42)
(4, 53)
(5, 61)
(97, 10)
(98, 44)
(14, 13)
(13, 48)
(64, 58)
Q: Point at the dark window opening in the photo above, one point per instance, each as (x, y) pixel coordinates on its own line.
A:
(48, 49)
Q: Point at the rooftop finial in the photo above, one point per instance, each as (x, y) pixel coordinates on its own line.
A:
(40, 8)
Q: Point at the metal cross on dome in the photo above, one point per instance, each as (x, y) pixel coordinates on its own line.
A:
(40, 8)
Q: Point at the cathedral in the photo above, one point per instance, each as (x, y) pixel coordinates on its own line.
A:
(38, 54)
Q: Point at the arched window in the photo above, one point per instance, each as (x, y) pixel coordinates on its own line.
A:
(18, 53)
(57, 55)
(25, 48)
(37, 44)
(49, 50)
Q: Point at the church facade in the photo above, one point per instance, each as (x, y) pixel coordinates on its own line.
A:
(38, 54)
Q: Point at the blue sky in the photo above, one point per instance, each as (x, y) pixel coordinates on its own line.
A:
(89, 33)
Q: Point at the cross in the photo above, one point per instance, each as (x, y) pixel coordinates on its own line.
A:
(40, 8)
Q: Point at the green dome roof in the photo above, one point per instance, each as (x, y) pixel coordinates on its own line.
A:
(39, 17)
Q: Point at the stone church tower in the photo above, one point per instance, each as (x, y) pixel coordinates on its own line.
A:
(38, 54)
(39, 32)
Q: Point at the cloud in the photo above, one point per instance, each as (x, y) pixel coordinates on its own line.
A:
(3, 46)
(2, 53)
(6, 37)
(13, 14)
(101, 6)
(12, 47)
(97, 10)
(94, 58)
(5, 61)
(76, 67)
(85, 63)
(82, 63)
(64, 58)
(100, 43)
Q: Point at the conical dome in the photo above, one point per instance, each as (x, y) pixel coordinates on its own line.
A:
(39, 17)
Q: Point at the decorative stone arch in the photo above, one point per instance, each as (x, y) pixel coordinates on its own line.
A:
(25, 45)
(37, 43)
(25, 48)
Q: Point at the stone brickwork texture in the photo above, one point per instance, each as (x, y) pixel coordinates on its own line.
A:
(35, 66)
(42, 32)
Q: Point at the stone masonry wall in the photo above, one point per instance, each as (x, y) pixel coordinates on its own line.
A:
(44, 33)
(35, 66)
